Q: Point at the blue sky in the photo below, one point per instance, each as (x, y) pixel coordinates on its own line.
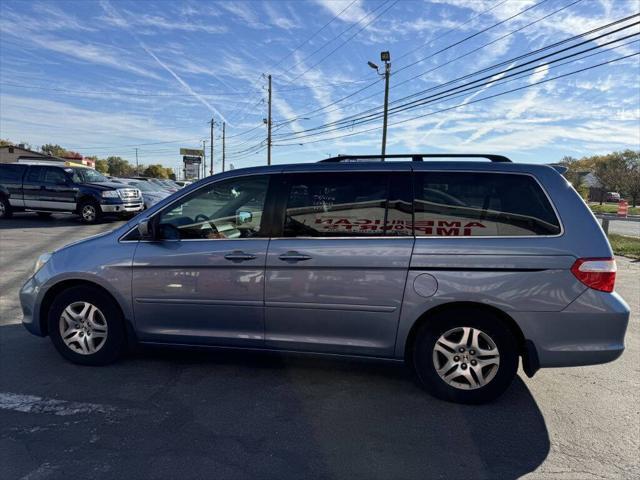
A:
(105, 77)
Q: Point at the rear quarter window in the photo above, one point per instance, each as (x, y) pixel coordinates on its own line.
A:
(478, 204)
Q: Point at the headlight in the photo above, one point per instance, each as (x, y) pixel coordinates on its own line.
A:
(110, 194)
(42, 259)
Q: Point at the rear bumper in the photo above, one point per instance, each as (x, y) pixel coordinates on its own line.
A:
(122, 207)
(589, 331)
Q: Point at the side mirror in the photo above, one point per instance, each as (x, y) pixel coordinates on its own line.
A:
(243, 216)
(145, 230)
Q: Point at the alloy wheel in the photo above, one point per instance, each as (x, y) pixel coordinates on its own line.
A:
(83, 328)
(466, 358)
(89, 213)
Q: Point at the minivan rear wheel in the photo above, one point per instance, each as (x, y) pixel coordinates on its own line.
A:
(464, 356)
(86, 326)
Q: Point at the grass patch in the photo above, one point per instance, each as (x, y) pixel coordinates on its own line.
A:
(611, 208)
(625, 246)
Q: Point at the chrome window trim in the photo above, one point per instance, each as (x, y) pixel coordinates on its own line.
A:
(416, 237)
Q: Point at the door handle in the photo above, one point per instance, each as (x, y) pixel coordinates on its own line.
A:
(239, 256)
(294, 257)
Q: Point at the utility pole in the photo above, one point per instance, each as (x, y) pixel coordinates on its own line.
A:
(211, 147)
(137, 169)
(224, 125)
(204, 158)
(386, 57)
(269, 126)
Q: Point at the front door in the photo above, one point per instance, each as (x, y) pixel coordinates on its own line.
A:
(336, 274)
(202, 280)
(58, 193)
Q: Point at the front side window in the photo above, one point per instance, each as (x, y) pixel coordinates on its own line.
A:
(478, 204)
(229, 209)
(54, 176)
(347, 204)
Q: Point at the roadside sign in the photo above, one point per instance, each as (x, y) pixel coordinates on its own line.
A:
(192, 152)
(189, 160)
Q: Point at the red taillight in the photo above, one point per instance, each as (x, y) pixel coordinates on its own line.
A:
(596, 273)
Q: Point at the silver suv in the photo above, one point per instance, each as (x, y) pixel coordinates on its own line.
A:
(458, 268)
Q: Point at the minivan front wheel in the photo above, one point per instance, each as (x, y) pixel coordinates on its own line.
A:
(465, 357)
(86, 326)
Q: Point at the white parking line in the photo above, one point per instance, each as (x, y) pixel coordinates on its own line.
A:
(35, 404)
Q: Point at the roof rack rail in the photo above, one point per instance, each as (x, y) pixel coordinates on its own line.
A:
(415, 157)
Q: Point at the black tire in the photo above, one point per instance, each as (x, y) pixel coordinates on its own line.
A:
(448, 320)
(86, 206)
(112, 348)
(5, 208)
(44, 214)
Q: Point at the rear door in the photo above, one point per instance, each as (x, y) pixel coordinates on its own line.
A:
(33, 186)
(337, 268)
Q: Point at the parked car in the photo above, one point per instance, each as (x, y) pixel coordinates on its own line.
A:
(46, 189)
(182, 183)
(166, 184)
(612, 197)
(458, 268)
(151, 193)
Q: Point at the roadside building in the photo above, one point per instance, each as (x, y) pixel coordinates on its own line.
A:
(11, 153)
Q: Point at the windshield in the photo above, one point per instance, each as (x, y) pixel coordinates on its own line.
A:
(86, 175)
(146, 186)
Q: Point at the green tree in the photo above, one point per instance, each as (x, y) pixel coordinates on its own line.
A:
(170, 173)
(4, 142)
(611, 171)
(53, 149)
(102, 165)
(155, 171)
(632, 179)
(119, 167)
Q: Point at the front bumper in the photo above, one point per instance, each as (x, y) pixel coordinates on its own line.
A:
(122, 207)
(589, 331)
(28, 302)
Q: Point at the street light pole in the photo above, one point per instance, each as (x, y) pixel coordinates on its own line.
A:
(387, 71)
(386, 58)
(224, 126)
(269, 126)
(211, 149)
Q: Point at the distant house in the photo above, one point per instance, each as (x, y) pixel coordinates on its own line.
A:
(14, 153)
(11, 153)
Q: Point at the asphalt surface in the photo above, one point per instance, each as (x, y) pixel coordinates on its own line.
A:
(202, 414)
(621, 227)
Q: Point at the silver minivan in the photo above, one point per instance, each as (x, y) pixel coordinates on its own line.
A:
(459, 268)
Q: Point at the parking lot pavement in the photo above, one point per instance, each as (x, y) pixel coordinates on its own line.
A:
(203, 414)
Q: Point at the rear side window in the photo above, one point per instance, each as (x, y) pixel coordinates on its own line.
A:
(462, 204)
(347, 204)
(11, 173)
(34, 174)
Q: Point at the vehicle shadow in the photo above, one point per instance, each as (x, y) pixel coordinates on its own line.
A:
(236, 415)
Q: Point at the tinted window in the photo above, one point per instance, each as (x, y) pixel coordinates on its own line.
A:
(347, 204)
(228, 209)
(55, 176)
(11, 173)
(34, 175)
(481, 204)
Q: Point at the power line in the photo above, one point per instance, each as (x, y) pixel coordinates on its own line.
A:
(376, 114)
(335, 17)
(466, 103)
(322, 108)
(349, 39)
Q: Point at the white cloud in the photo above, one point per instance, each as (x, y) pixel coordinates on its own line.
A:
(287, 21)
(243, 12)
(352, 14)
